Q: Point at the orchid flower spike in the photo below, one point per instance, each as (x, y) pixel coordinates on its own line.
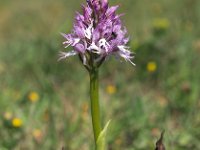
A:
(97, 34)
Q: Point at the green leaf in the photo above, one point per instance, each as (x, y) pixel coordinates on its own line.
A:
(101, 141)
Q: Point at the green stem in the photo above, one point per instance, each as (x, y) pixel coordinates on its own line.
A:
(95, 110)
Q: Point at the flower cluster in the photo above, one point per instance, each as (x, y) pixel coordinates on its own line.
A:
(97, 34)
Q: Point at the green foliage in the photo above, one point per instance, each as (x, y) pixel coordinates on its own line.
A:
(101, 141)
(161, 92)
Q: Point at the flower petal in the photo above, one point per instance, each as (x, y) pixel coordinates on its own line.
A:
(63, 55)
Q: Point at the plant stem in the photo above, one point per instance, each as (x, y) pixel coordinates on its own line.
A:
(95, 110)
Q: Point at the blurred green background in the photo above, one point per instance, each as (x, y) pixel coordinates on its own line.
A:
(44, 104)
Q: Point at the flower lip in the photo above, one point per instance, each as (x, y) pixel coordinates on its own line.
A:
(63, 55)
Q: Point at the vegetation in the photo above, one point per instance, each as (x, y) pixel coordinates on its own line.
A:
(44, 104)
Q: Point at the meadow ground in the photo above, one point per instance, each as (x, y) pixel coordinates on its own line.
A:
(44, 104)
